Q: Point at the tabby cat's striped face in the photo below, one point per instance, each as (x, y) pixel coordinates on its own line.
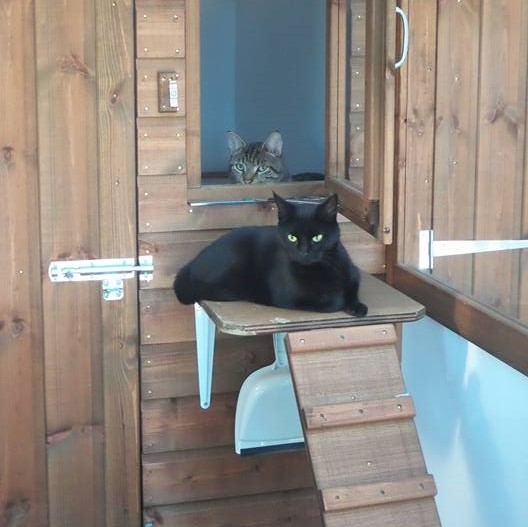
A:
(256, 162)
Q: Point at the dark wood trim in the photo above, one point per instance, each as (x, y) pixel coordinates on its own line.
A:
(498, 335)
(356, 207)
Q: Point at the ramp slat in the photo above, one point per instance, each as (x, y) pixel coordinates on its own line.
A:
(378, 493)
(342, 414)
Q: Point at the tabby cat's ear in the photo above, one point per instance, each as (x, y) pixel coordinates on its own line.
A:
(234, 142)
(327, 210)
(284, 208)
(273, 144)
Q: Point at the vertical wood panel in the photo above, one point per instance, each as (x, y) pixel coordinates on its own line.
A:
(501, 148)
(421, 73)
(117, 199)
(456, 134)
(23, 492)
(192, 91)
(66, 83)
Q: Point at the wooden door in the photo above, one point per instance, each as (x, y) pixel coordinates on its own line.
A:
(68, 360)
(360, 111)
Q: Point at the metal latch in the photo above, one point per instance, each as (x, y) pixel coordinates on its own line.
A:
(111, 271)
(430, 248)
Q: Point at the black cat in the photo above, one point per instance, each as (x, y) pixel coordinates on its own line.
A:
(298, 264)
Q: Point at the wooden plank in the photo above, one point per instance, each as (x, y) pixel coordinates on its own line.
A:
(349, 338)
(336, 90)
(365, 454)
(357, 94)
(421, 513)
(502, 132)
(322, 382)
(456, 134)
(215, 473)
(395, 251)
(172, 250)
(170, 370)
(161, 146)
(326, 416)
(23, 488)
(372, 103)
(192, 89)
(386, 223)
(160, 28)
(163, 319)
(244, 318)
(420, 127)
(163, 207)
(180, 424)
(147, 85)
(67, 156)
(281, 509)
(228, 192)
(336, 499)
(117, 215)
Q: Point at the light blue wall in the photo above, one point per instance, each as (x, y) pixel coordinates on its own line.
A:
(276, 76)
(217, 70)
(472, 419)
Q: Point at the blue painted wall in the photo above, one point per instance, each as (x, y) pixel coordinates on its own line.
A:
(217, 70)
(472, 419)
(272, 77)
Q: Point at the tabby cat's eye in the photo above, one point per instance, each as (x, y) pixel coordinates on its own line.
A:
(292, 238)
(240, 167)
(317, 238)
(262, 168)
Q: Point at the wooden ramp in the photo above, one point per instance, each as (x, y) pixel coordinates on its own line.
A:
(358, 424)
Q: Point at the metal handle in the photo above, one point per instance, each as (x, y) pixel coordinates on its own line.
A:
(405, 50)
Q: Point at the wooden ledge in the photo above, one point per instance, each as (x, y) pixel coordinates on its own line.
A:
(386, 305)
(344, 414)
(337, 499)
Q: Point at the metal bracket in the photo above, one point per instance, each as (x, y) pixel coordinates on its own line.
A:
(110, 271)
(429, 248)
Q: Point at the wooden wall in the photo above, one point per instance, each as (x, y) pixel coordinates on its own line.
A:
(87, 170)
(463, 142)
(191, 474)
(69, 429)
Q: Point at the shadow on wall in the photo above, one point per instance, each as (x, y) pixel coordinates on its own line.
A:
(472, 420)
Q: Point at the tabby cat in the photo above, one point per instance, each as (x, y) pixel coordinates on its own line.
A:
(298, 264)
(256, 162)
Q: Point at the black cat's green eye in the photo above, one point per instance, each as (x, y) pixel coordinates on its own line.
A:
(317, 238)
(292, 238)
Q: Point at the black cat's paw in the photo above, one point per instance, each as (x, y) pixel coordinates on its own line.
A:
(358, 309)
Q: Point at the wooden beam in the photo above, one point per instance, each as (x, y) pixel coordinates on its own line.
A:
(117, 218)
(337, 499)
(23, 486)
(344, 414)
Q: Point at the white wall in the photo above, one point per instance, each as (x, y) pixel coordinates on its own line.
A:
(263, 68)
(472, 419)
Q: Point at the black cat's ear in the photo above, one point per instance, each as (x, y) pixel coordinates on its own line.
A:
(234, 142)
(284, 208)
(273, 144)
(327, 210)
